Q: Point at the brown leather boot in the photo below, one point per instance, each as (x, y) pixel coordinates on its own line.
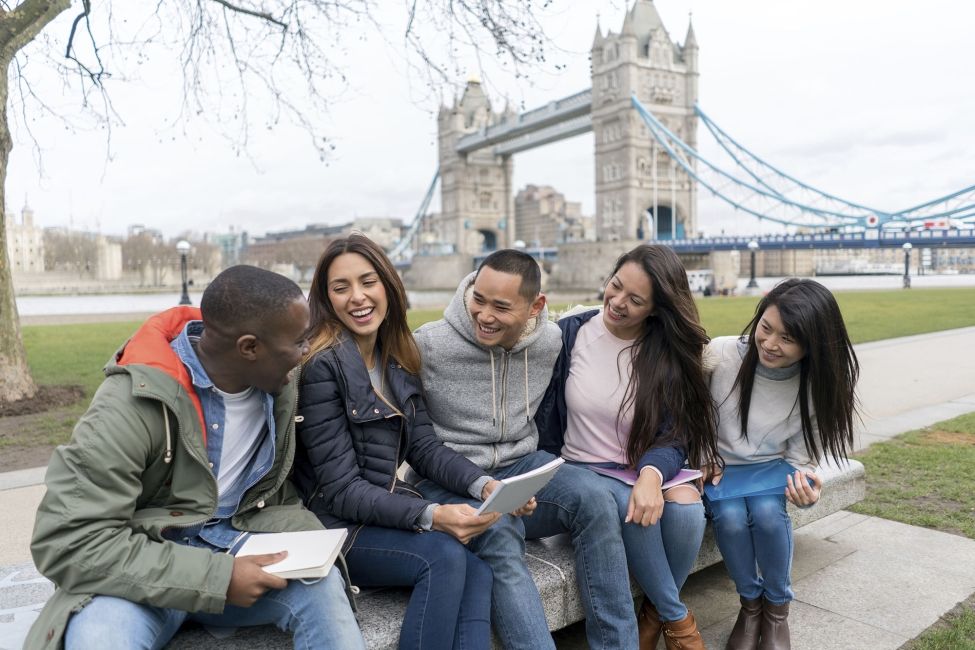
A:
(775, 627)
(649, 624)
(683, 634)
(745, 634)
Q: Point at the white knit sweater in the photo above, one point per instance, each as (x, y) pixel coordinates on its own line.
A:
(774, 425)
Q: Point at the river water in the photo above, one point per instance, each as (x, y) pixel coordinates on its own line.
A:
(145, 303)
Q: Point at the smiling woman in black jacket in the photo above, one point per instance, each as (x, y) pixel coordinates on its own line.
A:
(362, 415)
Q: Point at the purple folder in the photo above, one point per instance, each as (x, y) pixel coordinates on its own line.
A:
(629, 476)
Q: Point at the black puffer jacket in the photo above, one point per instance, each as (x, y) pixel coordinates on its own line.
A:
(350, 442)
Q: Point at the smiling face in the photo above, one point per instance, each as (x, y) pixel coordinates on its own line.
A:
(279, 348)
(628, 301)
(776, 347)
(357, 295)
(498, 309)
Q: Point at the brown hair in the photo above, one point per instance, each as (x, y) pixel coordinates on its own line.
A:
(667, 389)
(394, 337)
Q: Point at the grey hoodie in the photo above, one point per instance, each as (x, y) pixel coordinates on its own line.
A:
(483, 400)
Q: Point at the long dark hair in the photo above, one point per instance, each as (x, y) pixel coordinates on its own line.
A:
(394, 337)
(667, 389)
(828, 370)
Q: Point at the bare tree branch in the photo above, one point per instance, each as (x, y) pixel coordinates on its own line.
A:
(250, 12)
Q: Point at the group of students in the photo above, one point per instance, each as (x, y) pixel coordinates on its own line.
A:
(202, 431)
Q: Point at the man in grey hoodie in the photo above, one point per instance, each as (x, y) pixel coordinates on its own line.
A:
(485, 369)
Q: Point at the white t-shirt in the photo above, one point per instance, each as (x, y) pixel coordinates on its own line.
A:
(598, 376)
(244, 426)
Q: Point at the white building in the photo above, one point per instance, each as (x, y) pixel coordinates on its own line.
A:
(25, 243)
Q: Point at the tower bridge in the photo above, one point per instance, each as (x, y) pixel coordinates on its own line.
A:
(642, 109)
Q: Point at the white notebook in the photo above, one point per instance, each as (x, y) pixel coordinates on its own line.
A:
(311, 553)
(515, 491)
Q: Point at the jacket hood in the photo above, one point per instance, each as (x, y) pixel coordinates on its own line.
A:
(458, 314)
(149, 346)
(482, 399)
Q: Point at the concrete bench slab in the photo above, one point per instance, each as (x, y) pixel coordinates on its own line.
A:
(23, 591)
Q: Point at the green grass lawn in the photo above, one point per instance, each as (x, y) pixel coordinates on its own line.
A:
(61, 354)
(923, 478)
(73, 354)
(869, 315)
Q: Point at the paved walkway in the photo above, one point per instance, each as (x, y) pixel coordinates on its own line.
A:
(860, 582)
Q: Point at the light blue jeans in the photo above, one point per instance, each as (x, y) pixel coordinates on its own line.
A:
(318, 615)
(661, 556)
(574, 503)
(755, 535)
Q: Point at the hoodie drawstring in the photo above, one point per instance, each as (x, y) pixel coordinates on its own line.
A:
(528, 417)
(494, 399)
(168, 458)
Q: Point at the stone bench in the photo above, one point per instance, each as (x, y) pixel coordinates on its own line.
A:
(23, 591)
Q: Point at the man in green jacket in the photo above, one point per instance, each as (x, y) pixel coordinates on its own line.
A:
(187, 444)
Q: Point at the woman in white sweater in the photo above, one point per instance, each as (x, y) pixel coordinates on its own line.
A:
(784, 390)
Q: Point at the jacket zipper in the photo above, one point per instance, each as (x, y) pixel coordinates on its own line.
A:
(206, 468)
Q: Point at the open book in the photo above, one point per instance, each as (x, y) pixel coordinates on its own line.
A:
(515, 491)
(311, 553)
(629, 476)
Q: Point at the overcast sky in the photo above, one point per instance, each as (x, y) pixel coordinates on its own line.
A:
(874, 102)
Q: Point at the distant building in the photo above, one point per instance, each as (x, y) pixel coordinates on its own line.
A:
(25, 242)
(544, 218)
(301, 248)
(231, 245)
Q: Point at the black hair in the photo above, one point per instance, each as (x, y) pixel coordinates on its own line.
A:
(828, 369)
(244, 299)
(520, 263)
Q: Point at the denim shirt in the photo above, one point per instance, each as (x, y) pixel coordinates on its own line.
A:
(219, 533)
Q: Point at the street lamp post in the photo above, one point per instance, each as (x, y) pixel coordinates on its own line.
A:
(907, 264)
(183, 247)
(752, 247)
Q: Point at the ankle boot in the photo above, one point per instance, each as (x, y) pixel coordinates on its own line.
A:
(683, 634)
(649, 624)
(775, 627)
(745, 634)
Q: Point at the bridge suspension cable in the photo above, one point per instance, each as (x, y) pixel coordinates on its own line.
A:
(404, 249)
(743, 194)
(754, 186)
(957, 205)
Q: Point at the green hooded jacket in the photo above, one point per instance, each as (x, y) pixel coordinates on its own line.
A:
(136, 466)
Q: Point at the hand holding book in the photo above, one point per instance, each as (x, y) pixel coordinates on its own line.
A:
(803, 489)
(462, 521)
(249, 580)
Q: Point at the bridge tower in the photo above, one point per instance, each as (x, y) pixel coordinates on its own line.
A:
(477, 204)
(630, 181)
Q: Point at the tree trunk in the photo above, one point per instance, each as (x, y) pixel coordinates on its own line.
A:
(17, 28)
(15, 380)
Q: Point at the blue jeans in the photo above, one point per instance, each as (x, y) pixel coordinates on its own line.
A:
(450, 606)
(319, 616)
(755, 535)
(569, 503)
(661, 556)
